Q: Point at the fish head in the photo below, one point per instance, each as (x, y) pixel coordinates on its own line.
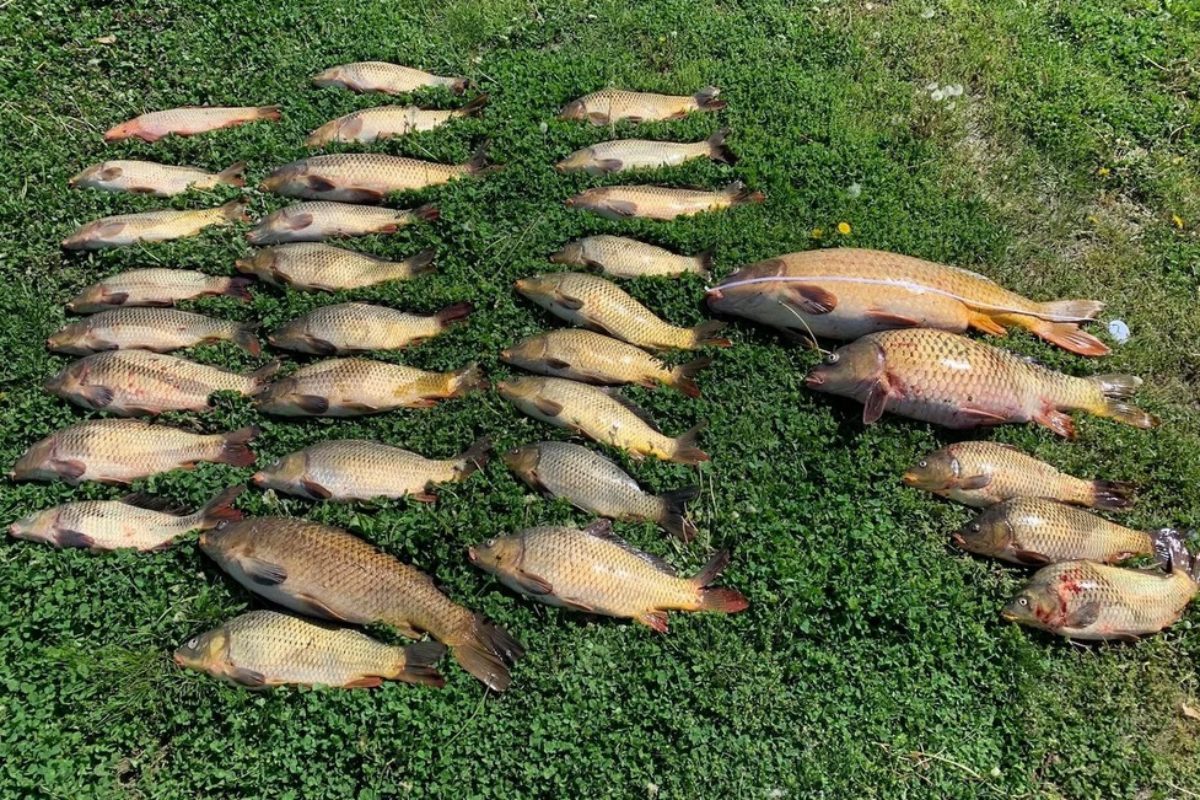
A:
(324, 134)
(1035, 605)
(518, 389)
(123, 131)
(64, 382)
(81, 239)
(261, 262)
(329, 77)
(282, 176)
(523, 461)
(989, 534)
(571, 253)
(203, 652)
(87, 177)
(36, 527)
(525, 353)
(69, 339)
(35, 463)
(86, 299)
(576, 109)
(937, 472)
(499, 555)
(577, 161)
(849, 370)
(540, 289)
(750, 285)
(285, 473)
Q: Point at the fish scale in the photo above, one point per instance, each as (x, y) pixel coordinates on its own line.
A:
(383, 122)
(149, 328)
(593, 357)
(660, 202)
(612, 105)
(354, 327)
(189, 120)
(325, 571)
(1035, 530)
(151, 226)
(629, 258)
(148, 177)
(318, 220)
(312, 265)
(152, 287)
(592, 482)
(360, 177)
(381, 76)
(626, 154)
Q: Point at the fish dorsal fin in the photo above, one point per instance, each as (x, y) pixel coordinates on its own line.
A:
(633, 408)
(602, 529)
(153, 503)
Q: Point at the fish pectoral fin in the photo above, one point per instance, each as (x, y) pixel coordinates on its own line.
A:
(109, 229)
(351, 128)
(423, 497)
(298, 222)
(316, 490)
(892, 320)
(73, 539)
(312, 403)
(557, 363)
(876, 402)
(567, 301)
(981, 416)
(318, 184)
(1057, 421)
(811, 299)
(547, 406)
(116, 298)
(985, 324)
(320, 347)
(68, 467)
(1083, 616)
(973, 482)
(1032, 558)
(315, 608)
(97, 396)
(654, 619)
(622, 208)
(364, 682)
(359, 407)
(362, 195)
(111, 173)
(610, 164)
(576, 604)
(262, 571)
(247, 677)
(533, 584)
(597, 118)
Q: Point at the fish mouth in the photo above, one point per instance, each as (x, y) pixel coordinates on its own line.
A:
(911, 479)
(472, 556)
(506, 354)
(1009, 616)
(521, 284)
(503, 387)
(959, 539)
(258, 479)
(715, 293)
(14, 530)
(571, 202)
(815, 380)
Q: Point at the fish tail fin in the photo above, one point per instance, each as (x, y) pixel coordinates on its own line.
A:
(475, 107)
(1117, 389)
(722, 600)
(704, 263)
(234, 174)
(717, 149)
(1070, 310)
(487, 654)
(705, 334)
(422, 262)
(458, 85)
(235, 211)
(674, 514)
(478, 163)
(428, 212)
(1111, 495)
(234, 450)
(474, 457)
(706, 99)
(467, 379)
(740, 194)
(245, 337)
(452, 314)
(263, 375)
(687, 450)
(269, 112)
(1067, 335)
(1165, 543)
(238, 287)
(220, 509)
(683, 376)
(419, 664)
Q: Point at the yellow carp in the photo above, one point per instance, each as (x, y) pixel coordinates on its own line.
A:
(608, 106)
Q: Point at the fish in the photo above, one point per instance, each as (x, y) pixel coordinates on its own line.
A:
(365, 177)
(318, 221)
(591, 357)
(312, 265)
(383, 122)
(1091, 601)
(599, 304)
(136, 522)
(137, 382)
(352, 387)
(189, 121)
(603, 415)
(358, 327)
(380, 76)
(844, 293)
(356, 469)
(329, 573)
(596, 572)
(628, 258)
(981, 474)
(123, 450)
(266, 648)
(951, 380)
(595, 484)
(628, 154)
(609, 106)
(661, 202)
(160, 180)
(1033, 530)
(157, 329)
(153, 226)
(155, 287)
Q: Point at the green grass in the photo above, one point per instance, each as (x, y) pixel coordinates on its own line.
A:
(872, 662)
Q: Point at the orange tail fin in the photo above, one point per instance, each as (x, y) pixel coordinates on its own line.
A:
(722, 600)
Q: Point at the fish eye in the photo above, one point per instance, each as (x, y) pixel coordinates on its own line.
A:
(975, 527)
(193, 643)
(832, 358)
(490, 543)
(1024, 601)
(922, 464)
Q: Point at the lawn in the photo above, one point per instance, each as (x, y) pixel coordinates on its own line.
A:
(872, 661)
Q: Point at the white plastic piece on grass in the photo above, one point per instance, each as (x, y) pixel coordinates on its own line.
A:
(1119, 331)
(854, 190)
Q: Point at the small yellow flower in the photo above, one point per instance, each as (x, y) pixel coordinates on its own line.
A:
(816, 233)
(844, 228)
(1102, 171)
(1177, 220)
